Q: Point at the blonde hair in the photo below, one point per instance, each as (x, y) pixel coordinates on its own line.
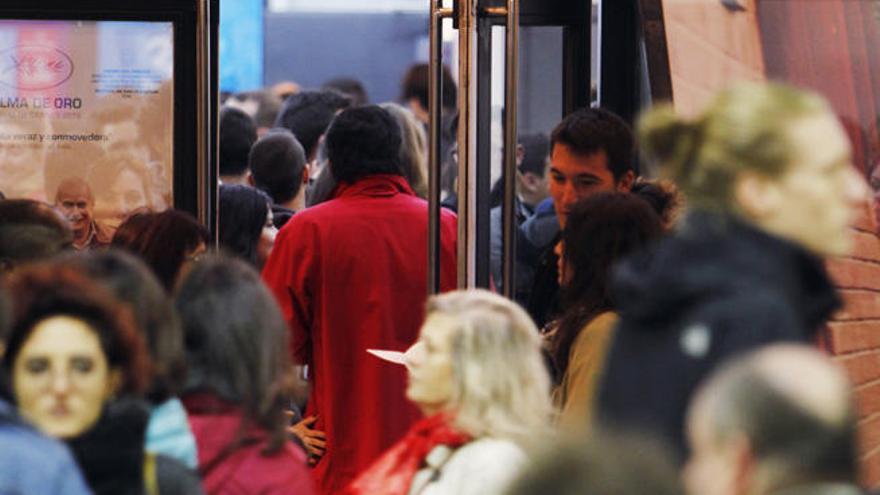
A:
(744, 128)
(413, 149)
(501, 389)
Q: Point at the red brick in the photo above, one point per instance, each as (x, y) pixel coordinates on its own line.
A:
(862, 368)
(868, 399)
(853, 336)
(869, 435)
(866, 245)
(859, 305)
(871, 470)
(865, 220)
(855, 274)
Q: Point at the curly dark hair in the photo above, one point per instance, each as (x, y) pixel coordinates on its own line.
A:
(46, 290)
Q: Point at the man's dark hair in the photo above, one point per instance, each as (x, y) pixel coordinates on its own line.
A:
(277, 162)
(590, 130)
(238, 132)
(268, 106)
(30, 231)
(363, 141)
(132, 283)
(537, 149)
(308, 113)
(236, 343)
(350, 87)
(415, 85)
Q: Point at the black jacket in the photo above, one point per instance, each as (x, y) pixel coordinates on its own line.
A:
(111, 455)
(716, 289)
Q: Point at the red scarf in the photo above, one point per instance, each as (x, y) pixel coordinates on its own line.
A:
(393, 472)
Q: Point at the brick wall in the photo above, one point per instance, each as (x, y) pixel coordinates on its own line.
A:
(854, 337)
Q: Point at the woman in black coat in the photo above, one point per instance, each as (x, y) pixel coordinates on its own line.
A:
(767, 180)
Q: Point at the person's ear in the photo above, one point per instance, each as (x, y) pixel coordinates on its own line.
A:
(625, 183)
(756, 196)
(520, 155)
(305, 175)
(250, 180)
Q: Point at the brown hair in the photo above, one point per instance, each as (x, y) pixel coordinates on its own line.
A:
(47, 290)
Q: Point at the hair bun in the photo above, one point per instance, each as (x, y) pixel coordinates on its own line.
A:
(668, 139)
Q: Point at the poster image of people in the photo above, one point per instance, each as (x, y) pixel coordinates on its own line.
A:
(86, 118)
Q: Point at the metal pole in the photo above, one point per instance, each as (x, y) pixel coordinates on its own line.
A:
(466, 144)
(203, 116)
(510, 144)
(435, 86)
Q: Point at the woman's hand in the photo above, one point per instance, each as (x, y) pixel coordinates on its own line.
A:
(315, 441)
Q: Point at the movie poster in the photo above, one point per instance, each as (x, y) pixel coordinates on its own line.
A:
(86, 114)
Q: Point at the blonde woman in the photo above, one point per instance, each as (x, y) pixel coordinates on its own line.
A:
(769, 187)
(478, 376)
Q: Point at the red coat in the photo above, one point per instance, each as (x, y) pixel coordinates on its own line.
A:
(245, 470)
(351, 275)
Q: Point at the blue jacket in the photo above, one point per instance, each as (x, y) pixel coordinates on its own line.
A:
(169, 434)
(32, 464)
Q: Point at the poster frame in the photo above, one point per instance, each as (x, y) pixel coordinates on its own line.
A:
(196, 98)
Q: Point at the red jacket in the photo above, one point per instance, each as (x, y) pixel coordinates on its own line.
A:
(243, 470)
(351, 275)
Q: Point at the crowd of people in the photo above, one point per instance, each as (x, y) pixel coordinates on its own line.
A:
(661, 338)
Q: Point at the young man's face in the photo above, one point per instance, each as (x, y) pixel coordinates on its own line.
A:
(575, 176)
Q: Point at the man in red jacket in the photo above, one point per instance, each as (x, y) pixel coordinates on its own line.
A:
(351, 275)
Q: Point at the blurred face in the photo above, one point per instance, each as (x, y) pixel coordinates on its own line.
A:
(76, 204)
(818, 198)
(126, 136)
(430, 365)
(61, 377)
(126, 193)
(574, 176)
(267, 239)
(21, 167)
(710, 468)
